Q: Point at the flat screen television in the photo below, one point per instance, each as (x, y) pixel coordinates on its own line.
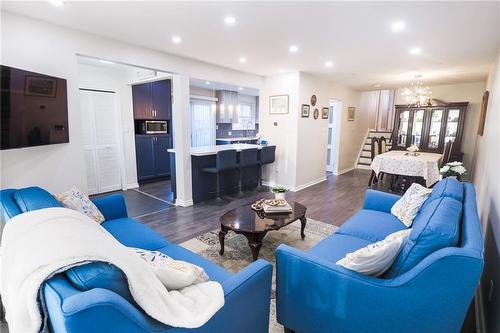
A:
(34, 109)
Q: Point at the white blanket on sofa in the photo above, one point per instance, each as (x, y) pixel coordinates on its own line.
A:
(41, 243)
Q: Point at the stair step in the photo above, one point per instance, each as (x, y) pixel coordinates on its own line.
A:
(363, 163)
(365, 160)
(366, 154)
(363, 166)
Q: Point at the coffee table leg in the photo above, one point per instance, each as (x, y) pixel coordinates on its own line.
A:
(255, 243)
(222, 235)
(303, 221)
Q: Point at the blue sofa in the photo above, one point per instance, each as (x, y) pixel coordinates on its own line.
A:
(75, 304)
(428, 288)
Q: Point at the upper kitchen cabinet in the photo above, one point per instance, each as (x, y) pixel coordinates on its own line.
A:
(153, 100)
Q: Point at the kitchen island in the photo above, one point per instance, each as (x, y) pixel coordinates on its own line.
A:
(205, 184)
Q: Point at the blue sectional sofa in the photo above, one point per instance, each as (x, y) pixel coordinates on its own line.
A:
(77, 302)
(428, 288)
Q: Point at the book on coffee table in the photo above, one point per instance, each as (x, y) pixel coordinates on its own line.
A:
(272, 207)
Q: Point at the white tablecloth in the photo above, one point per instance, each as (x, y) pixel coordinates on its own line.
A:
(425, 165)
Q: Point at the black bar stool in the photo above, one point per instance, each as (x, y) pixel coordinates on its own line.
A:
(248, 159)
(267, 156)
(226, 161)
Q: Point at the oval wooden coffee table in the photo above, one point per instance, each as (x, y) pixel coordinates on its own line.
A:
(255, 225)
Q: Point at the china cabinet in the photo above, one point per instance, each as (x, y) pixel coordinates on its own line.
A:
(430, 127)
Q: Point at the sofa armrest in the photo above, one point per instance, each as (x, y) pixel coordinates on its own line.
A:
(381, 201)
(112, 206)
(315, 295)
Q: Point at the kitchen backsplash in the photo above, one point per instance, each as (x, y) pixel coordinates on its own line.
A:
(223, 130)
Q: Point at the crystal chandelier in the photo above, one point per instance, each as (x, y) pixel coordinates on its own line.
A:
(417, 94)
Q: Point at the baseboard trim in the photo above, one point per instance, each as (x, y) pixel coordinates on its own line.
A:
(183, 203)
(306, 185)
(340, 172)
(131, 186)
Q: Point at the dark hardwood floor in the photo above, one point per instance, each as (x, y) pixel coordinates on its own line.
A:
(332, 201)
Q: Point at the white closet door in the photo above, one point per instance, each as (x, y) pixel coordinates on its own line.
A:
(101, 143)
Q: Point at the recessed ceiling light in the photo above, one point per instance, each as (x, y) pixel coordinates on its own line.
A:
(240, 88)
(176, 39)
(207, 82)
(229, 20)
(415, 50)
(57, 3)
(281, 71)
(329, 64)
(293, 48)
(398, 26)
(107, 62)
(243, 59)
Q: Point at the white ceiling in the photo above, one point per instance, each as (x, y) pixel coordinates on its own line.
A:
(459, 40)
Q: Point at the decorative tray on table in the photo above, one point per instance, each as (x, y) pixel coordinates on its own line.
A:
(270, 206)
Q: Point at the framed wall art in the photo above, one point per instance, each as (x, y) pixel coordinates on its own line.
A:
(305, 110)
(278, 104)
(351, 111)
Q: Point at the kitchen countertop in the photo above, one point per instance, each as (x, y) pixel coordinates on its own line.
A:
(246, 138)
(212, 150)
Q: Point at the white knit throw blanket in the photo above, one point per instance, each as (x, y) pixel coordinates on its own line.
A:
(41, 243)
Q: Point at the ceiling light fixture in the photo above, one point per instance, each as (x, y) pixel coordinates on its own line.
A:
(229, 20)
(240, 88)
(415, 50)
(281, 71)
(293, 49)
(176, 39)
(57, 3)
(329, 64)
(243, 59)
(207, 82)
(398, 26)
(107, 62)
(417, 94)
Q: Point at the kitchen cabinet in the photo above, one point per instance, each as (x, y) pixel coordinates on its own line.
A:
(430, 127)
(152, 100)
(153, 160)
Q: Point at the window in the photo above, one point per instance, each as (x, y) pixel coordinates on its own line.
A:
(202, 123)
(245, 113)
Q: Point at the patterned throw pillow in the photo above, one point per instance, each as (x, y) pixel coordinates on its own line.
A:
(406, 208)
(376, 258)
(174, 274)
(77, 200)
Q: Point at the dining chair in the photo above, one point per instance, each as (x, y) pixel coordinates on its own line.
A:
(382, 143)
(375, 150)
(448, 149)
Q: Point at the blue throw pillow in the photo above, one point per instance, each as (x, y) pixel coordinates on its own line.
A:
(100, 275)
(33, 198)
(447, 187)
(435, 227)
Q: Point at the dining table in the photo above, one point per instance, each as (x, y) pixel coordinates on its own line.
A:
(404, 163)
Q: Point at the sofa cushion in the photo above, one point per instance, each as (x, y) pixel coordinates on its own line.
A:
(133, 233)
(436, 227)
(99, 275)
(9, 206)
(371, 225)
(447, 187)
(215, 272)
(336, 246)
(33, 198)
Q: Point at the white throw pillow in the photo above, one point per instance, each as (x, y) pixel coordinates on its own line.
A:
(406, 208)
(376, 258)
(77, 200)
(174, 274)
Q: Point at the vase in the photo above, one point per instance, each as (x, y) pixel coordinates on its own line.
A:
(280, 195)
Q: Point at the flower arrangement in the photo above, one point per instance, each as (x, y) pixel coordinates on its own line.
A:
(413, 149)
(453, 169)
(279, 191)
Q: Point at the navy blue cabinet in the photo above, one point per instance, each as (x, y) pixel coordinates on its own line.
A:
(152, 100)
(153, 160)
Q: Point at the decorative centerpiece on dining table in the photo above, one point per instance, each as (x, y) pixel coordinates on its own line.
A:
(412, 150)
(279, 191)
(453, 170)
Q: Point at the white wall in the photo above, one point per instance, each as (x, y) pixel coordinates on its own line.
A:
(471, 92)
(41, 47)
(487, 180)
(103, 78)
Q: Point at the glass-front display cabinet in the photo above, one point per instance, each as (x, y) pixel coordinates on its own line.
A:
(430, 127)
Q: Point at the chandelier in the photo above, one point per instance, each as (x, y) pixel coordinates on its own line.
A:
(417, 94)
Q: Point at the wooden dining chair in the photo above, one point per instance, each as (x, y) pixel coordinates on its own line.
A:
(375, 150)
(382, 145)
(448, 149)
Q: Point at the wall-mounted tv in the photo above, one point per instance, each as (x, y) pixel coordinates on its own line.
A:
(34, 109)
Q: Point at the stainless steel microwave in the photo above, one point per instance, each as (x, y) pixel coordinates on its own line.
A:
(154, 127)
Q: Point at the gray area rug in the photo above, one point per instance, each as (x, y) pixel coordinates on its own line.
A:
(237, 254)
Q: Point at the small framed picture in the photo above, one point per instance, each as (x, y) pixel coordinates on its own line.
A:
(278, 104)
(306, 110)
(40, 86)
(316, 113)
(350, 113)
(324, 113)
(313, 100)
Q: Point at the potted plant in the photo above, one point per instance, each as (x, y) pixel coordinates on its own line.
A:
(279, 191)
(413, 150)
(453, 170)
